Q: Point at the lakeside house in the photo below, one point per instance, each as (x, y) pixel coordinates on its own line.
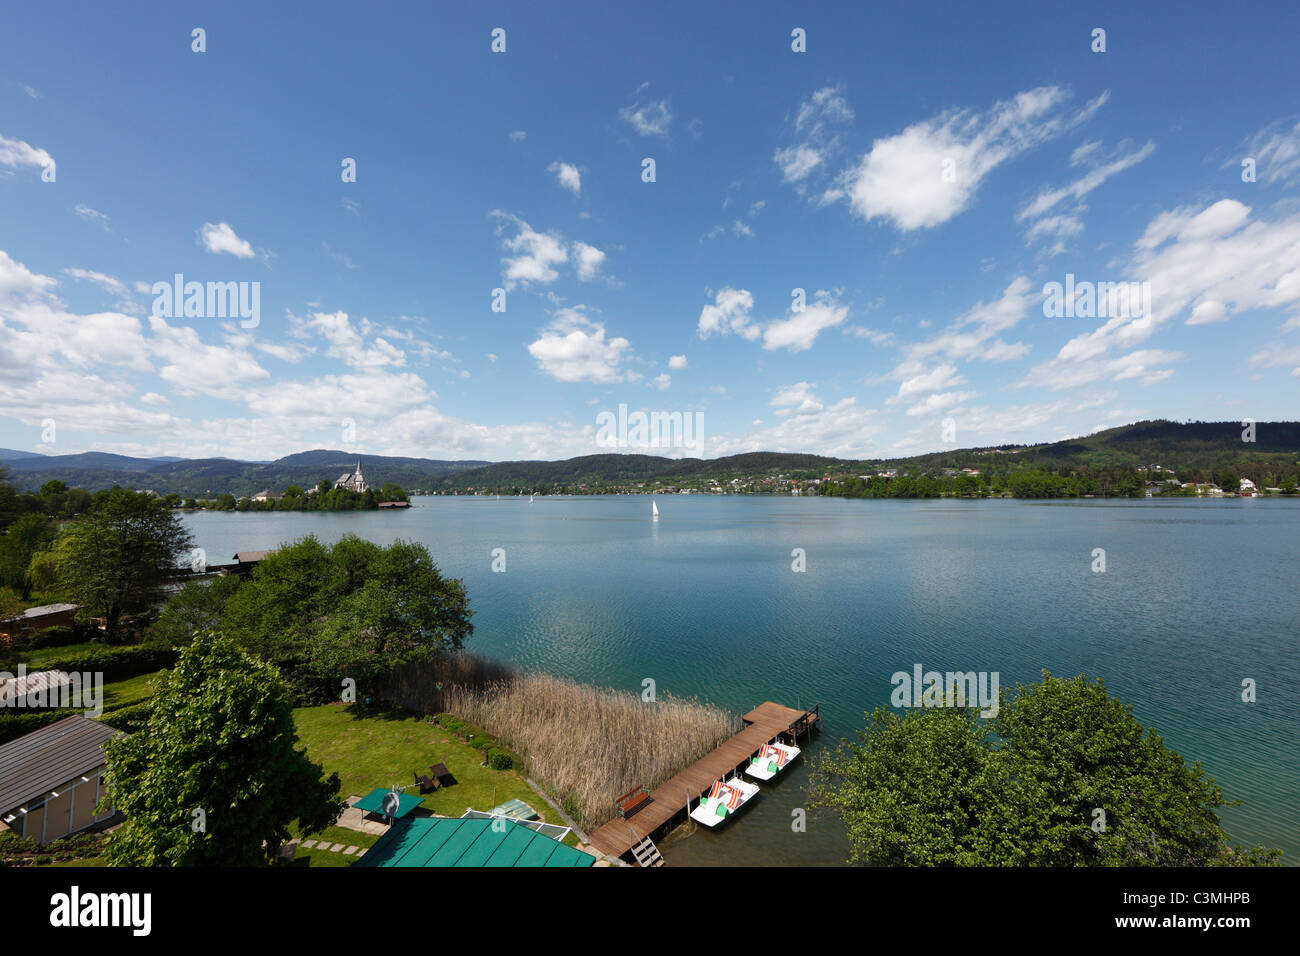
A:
(51, 780)
(36, 619)
(267, 495)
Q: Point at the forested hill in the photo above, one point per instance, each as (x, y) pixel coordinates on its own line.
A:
(1188, 446)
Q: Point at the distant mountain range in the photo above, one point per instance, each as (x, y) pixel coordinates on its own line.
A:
(1167, 443)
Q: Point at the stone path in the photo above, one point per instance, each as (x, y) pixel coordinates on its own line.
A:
(336, 848)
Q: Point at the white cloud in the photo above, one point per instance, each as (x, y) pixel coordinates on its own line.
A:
(873, 336)
(91, 215)
(677, 362)
(808, 424)
(587, 260)
(797, 162)
(221, 238)
(1276, 151)
(573, 349)
(661, 382)
(567, 175)
(1049, 198)
(648, 117)
(191, 366)
(518, 136)
(347, 342)
(902, 179)
(729, 313)
(1210, 264)
(813, 124)
(15, 153)
(537, 254)
(798, 330)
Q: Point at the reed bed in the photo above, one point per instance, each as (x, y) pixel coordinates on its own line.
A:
(587, 745)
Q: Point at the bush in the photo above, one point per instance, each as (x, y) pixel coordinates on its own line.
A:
(500, 759)
(132, 718)
(59, 636)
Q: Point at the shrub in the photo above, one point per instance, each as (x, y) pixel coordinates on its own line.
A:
(132, 718)
(500, 759)
(59, 636)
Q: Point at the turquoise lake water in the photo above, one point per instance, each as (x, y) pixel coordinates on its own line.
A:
(1197, 596)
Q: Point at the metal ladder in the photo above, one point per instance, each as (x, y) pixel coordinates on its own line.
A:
(645, 851)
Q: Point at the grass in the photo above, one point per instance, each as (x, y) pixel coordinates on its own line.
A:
(123, 693)
(370, 747)
(590, 745)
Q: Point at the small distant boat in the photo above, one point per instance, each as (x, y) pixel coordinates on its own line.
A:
(771, 760)
(530, 499)
(723, 800)
(654, 510)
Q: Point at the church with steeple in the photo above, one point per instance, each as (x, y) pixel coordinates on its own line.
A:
(352, 482)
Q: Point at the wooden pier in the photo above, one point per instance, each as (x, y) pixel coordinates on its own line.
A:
(620, 835)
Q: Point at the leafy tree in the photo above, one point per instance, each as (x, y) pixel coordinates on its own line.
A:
(115, 560)
(392, 492)
(29, 534)
(353, 609)
(943, 787)
(198, 606)
(220, 739)
(54, 496)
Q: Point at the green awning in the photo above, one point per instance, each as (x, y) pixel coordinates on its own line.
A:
(373, 802)
(430, 841)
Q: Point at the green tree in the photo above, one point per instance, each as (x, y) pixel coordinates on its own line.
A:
(198, 606)
(29, 534)
(220, 739)
(352, 609)
(942, 786)
(115, 560)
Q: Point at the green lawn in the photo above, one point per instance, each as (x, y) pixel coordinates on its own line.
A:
(123, 693)
(371, 748)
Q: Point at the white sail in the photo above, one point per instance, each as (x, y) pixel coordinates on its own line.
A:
(654, 509)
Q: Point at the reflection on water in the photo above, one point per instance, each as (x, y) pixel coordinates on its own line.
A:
(705, 602)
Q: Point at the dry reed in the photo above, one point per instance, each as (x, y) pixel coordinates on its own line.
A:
(587, 745)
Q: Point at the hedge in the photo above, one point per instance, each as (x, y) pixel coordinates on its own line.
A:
(115, 663)
(15, 724)
(58, 636)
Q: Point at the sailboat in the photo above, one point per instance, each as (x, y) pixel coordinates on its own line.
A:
(530, 499)
(654, 510)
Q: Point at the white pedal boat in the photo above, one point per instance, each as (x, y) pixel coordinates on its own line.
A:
(771, 760)
(723, 800)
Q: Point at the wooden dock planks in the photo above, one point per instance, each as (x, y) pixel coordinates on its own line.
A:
(767, 720)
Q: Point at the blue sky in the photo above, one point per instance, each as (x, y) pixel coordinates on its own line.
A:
(922, 172)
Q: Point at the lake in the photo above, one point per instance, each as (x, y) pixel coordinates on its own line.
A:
(1197, 595)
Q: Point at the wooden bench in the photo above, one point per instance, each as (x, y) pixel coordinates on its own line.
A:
(635, 799)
